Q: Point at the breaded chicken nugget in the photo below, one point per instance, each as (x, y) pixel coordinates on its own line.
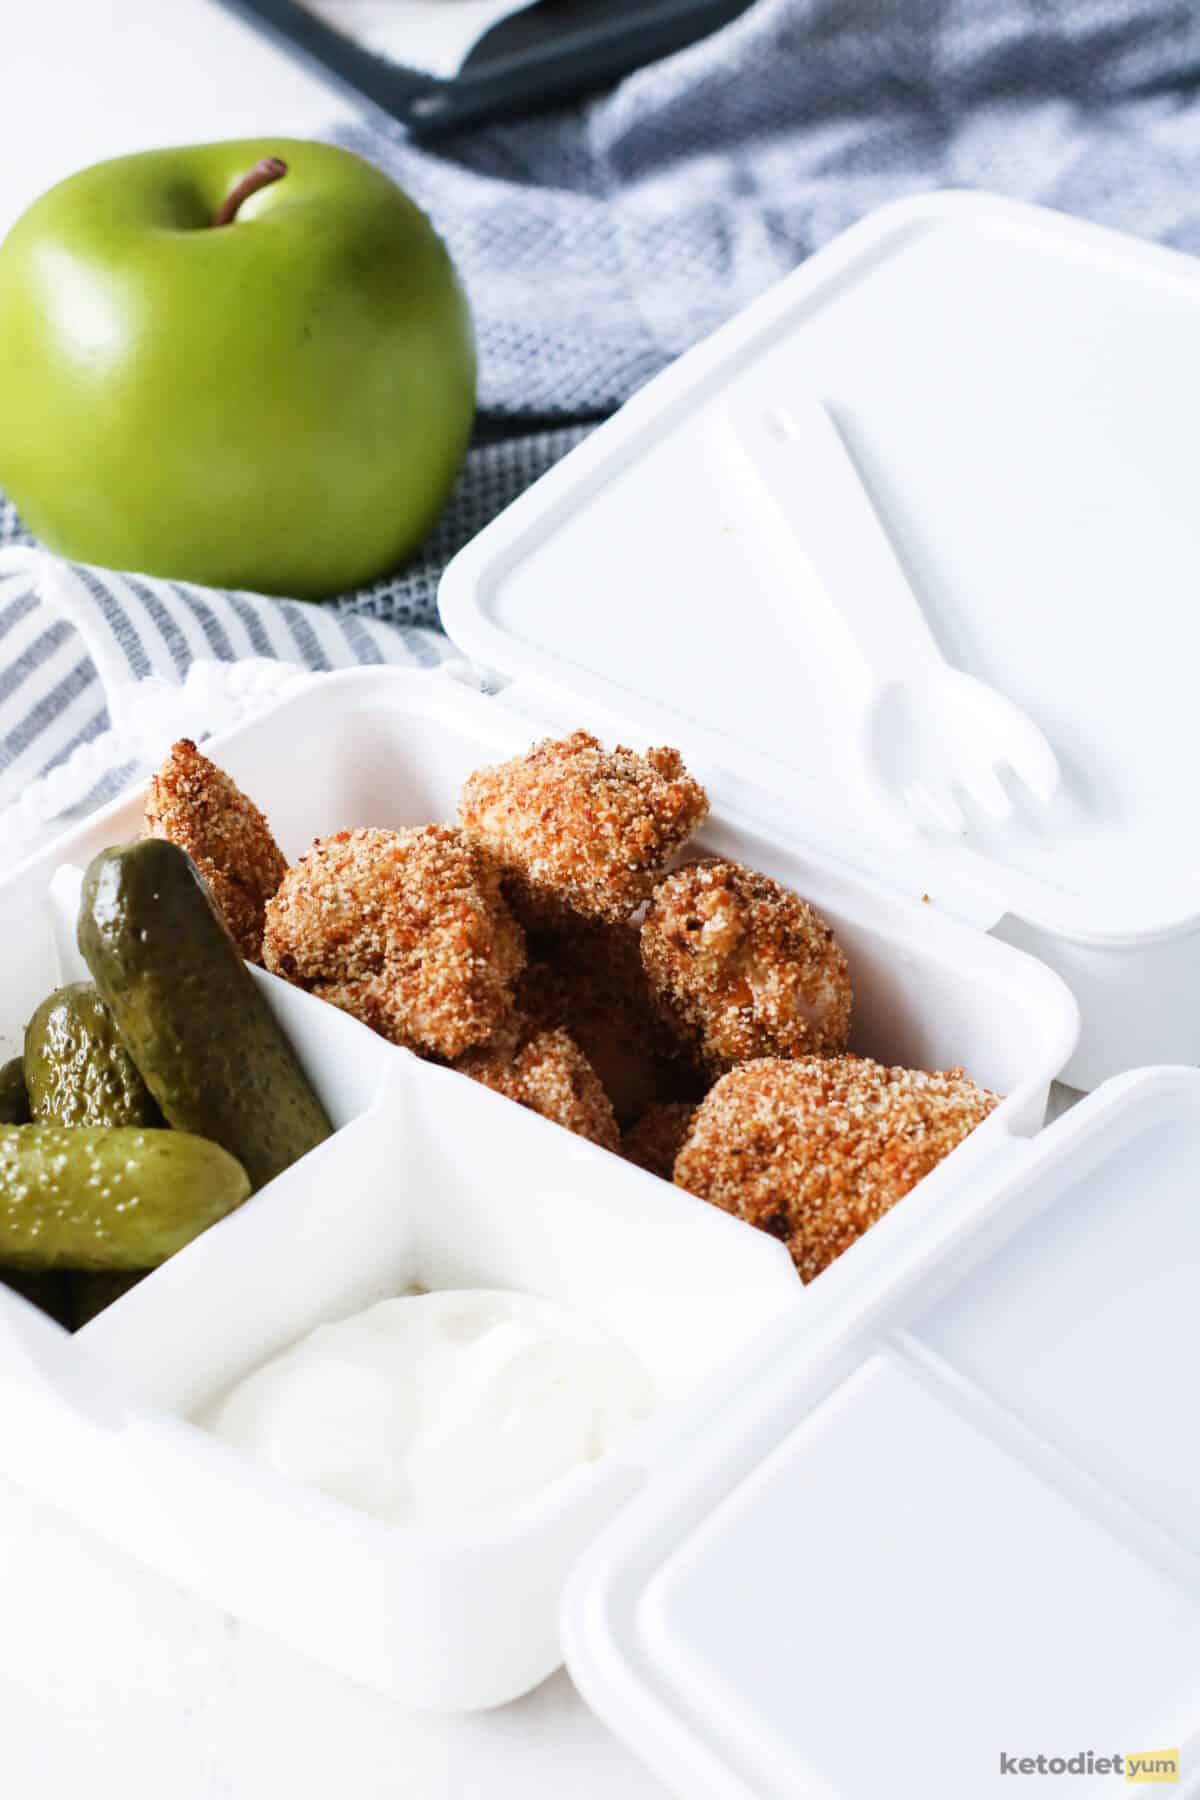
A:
(589, 977)
(655, 1141)
(197, 806)
(407, 930)
(547, 1072)
(743, 967)
(579, 827)
(815, 1151)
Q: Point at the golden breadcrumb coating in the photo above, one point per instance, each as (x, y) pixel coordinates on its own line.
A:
(579, 827)
(655, 1141)
(743, 967)
(589, 977)
(546, 1071)
(197, 806)
(407, 930)
(815, 1151)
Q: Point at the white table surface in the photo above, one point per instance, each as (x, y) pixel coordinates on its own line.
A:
(112, 1683)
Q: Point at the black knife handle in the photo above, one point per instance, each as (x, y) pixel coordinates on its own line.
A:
(585, 47)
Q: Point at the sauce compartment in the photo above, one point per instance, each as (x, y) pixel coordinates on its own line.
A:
(433, 1180)
(400, 1198)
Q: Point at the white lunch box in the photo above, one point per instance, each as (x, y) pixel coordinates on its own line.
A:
(433, 1180)
(945, 1496)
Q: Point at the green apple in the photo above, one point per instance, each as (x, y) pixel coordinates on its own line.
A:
(246, 364)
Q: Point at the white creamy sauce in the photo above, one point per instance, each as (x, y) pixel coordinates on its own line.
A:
(436, 1409)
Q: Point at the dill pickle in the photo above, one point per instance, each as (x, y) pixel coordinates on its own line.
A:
(14, 1100)
(77, 1071)
(189, 1012)
(101, 1197)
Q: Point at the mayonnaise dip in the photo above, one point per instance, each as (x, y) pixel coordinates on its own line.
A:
(436, 1409)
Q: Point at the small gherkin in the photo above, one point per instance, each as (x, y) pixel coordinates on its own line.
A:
(77, 1070)
(108, 1197)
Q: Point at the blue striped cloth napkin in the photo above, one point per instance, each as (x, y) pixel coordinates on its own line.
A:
(100, 672)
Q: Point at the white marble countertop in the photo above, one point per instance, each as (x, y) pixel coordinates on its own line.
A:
(112, 1683)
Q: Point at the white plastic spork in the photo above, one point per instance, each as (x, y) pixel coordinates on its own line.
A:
(929, 729)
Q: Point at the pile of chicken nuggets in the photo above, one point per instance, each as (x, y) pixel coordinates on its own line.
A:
(556, 945)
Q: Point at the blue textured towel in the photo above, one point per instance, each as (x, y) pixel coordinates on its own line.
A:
(598, 243)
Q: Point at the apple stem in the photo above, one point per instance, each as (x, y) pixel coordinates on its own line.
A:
(271, 168)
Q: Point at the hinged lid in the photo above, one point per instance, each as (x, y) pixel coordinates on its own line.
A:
(961, 1526)
(1018, 392)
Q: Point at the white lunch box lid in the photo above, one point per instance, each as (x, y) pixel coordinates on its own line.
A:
(1018, 392)
(960, 1526)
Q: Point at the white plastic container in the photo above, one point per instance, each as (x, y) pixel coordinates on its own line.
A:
(845, 1485)
(434, 1180)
